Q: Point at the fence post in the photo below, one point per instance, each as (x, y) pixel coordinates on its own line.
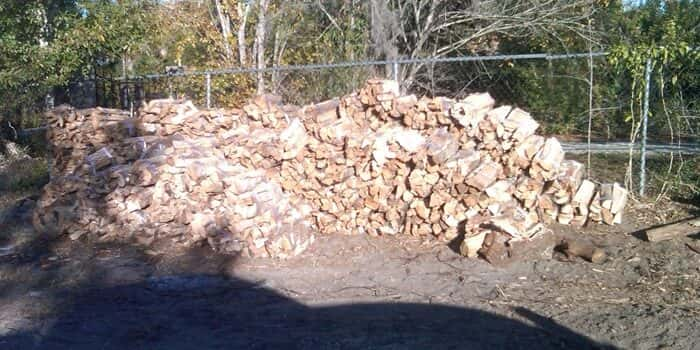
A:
(395, 73)
(645, 118)
(208, 90)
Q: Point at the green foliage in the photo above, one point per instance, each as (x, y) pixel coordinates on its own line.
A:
(658, 31)
(678, 179)
(26, 66)
(46, 44)
(318, 39)
(657, 35)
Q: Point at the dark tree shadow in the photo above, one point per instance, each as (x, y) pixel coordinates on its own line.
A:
(215, 312)
(128, 302)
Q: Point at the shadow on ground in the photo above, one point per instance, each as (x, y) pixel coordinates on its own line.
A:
(57, 294)
(124, 302)
(210, 312)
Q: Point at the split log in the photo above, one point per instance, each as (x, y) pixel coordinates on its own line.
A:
(471, 110)
(471, 244)
(100, 159)
(484, 175)
(495, 249)
(670, 231)
(545, 164)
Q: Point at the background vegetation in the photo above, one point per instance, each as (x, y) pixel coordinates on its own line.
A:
(47, 48)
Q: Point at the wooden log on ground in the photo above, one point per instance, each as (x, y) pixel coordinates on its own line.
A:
(671, 231)
(583, 249)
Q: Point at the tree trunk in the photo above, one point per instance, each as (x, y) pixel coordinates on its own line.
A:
(384, 30)
(276, 56)
(243, 18)
(260, 43)
(225, 24)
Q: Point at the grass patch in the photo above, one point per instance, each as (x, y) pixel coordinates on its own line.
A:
(23, 175)
(677, 178)
(667, 176)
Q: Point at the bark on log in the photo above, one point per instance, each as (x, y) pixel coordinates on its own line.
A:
(582, 249)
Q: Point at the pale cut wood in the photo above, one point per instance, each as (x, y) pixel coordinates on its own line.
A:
(403, 104)
(472, 109)
(584, 194)
(619, 202)
(519, 125)
(471, 244)
(569, 177)
(545, 164)
(323, 112)
(670, 231)
(484, 175)
(262, 180)
(527, 150)
(442, 146)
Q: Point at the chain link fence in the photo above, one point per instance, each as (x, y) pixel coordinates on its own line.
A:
(575, 96)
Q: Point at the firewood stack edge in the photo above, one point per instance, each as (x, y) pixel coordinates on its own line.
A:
(265, 179)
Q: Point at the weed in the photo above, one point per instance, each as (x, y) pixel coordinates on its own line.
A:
(24, 174)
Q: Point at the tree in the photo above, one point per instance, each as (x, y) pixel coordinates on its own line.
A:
(663, 35)
(260, 41)
(46, 44)
(438, 28)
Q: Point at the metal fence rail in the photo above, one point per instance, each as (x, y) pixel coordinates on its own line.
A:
(624, 147)
(349, 64)
(613, 147)
(395, 64)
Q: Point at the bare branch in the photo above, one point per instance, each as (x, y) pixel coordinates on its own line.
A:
(330, 18)
(475, 25)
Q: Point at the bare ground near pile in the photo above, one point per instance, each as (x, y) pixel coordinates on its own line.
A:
(348, 292)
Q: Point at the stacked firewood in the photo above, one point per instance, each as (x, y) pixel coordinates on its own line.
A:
(262, 179)
(381, 163)
(74, 133)
(182, 188)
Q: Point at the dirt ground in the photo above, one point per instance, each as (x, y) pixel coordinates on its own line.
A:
(348, 292)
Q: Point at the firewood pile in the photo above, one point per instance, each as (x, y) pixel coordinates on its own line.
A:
(72, 134)
(263, 180)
